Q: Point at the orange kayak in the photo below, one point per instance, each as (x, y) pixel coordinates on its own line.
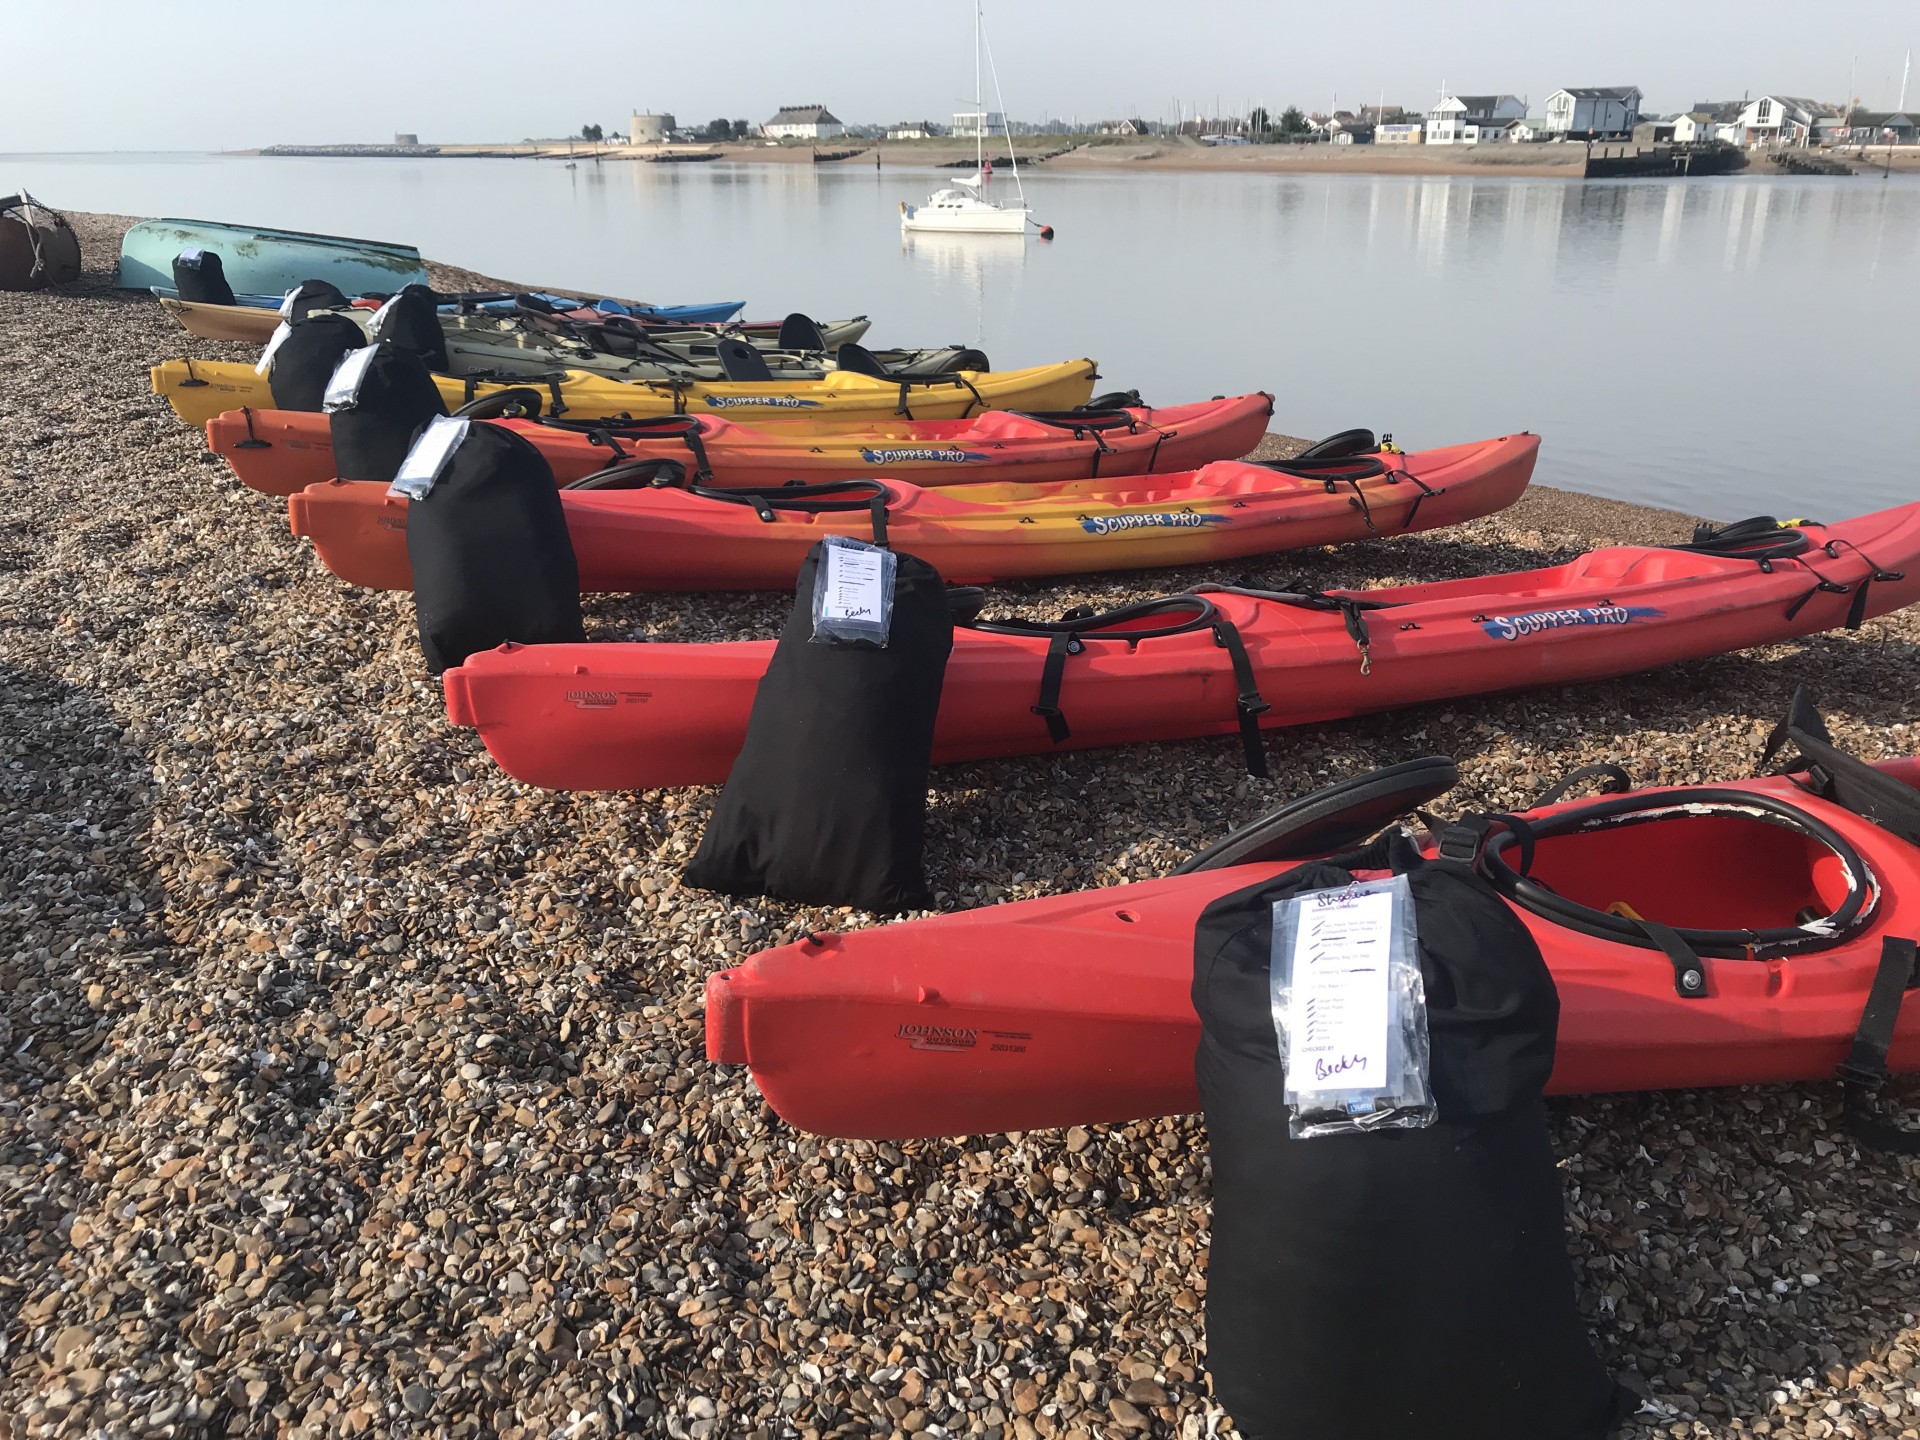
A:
(281, 452)
(676, 539)
(641, 716)
(1077, 1009)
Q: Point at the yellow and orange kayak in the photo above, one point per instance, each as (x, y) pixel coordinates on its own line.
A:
(199, 390)
(710, 539)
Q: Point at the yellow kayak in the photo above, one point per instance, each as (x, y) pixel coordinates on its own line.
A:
(198, 390)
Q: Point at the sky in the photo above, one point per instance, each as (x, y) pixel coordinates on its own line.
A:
(217, 74)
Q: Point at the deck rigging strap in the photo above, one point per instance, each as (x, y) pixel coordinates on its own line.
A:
(823, 498)
(1085, 421)
(1352, 609)
(1333, 471)
(1071, 633)
(978, 399)
(610, 431)
(1764, 540)
(1864, 1070)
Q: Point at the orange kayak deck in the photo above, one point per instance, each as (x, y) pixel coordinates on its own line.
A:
(670, 539)
(1076, 1010)
(637, 716)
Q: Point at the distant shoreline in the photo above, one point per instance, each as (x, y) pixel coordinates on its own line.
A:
(1095, 155)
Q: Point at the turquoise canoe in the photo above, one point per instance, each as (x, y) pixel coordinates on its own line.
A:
(267, 262)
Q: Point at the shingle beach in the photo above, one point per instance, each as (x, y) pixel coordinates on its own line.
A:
(349, 1087)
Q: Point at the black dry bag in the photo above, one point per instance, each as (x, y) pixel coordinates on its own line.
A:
(311, 295)
(375, 421)
(200, 277)
(411, 320)
(491, 557)
(1396, 1284)
(304, 361)
(827, 803)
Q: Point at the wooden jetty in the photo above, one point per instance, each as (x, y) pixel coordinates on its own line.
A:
(1664, 162)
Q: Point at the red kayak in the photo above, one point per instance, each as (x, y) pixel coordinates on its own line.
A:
(281, 452)
(666, 538)
(637, 716)
(1075, 1009)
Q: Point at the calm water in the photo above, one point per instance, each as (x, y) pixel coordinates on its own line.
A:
(1728, 346)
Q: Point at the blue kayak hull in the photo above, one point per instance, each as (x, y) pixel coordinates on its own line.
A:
(713, 314)
(695, 314)
(261, 261)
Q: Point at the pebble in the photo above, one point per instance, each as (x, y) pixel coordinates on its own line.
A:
(349, 1083)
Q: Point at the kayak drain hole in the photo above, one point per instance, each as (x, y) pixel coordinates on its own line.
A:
(1127, 915)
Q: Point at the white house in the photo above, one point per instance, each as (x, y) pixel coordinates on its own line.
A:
(1708, 120)
(1778, 120)
(1401, 134)
(913, 130)
(1530, 129)
(970, 123)
(803, 122)
(1469, 119)
(1594, 112)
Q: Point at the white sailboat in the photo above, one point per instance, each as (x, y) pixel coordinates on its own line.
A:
(960, 208)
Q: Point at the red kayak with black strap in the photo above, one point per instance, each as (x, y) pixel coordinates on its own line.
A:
(640, 526)
(1760, 931)
(281, 452)
(1225, 661)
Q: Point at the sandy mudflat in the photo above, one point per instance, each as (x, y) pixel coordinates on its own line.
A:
(1164, 153)
(349, 1087)
(1113, 154)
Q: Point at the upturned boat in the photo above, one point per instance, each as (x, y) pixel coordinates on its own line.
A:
(262, 261)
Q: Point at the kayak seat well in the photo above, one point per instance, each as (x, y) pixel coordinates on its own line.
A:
(1711, 872)
(1637, 565)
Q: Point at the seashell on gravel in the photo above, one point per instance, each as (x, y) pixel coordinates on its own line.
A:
(349, 1088)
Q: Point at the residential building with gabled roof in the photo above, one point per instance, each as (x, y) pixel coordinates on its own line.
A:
(1468, 119)
(1594, 112)
(803, 122)
(1781, 120)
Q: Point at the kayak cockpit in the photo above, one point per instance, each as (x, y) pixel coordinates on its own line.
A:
(1694, 867)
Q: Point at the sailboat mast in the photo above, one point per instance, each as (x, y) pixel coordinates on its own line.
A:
(979, 106)
(1013, 158)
